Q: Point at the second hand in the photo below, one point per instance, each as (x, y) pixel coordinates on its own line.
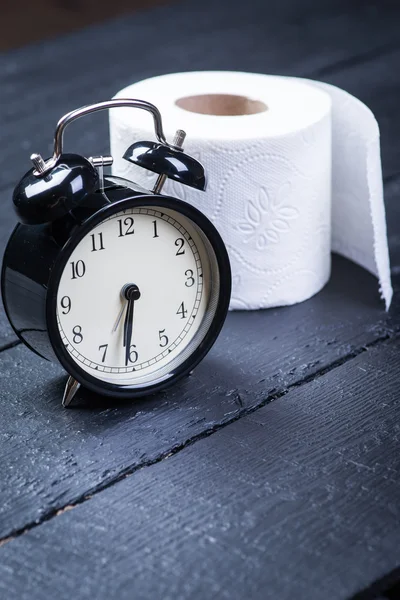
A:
(117, 322)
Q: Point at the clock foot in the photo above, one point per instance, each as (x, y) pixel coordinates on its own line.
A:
(70, 390)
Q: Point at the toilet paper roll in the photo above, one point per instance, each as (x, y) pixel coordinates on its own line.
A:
(293, 172)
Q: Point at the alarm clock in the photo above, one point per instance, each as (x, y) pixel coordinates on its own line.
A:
(127, 288)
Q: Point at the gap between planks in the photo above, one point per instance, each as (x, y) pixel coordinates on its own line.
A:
(10, 345)
(329, 69)
(55, 512)
(356, 59)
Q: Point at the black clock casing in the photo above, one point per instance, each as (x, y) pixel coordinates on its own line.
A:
(34, 259)
(58, 203)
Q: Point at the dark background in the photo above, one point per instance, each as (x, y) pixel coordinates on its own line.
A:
(24, 21)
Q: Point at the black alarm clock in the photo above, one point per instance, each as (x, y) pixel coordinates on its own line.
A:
(127, 288)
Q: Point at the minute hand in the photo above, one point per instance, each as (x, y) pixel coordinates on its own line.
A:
(131, 293)
(128, 328)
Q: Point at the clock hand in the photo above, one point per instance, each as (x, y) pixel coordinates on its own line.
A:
(131, 293)
(123, 307)
(128, 327)
(117, 322)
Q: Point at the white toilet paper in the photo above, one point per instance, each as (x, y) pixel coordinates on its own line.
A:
(273, 176)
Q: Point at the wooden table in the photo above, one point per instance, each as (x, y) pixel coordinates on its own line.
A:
(274, 470)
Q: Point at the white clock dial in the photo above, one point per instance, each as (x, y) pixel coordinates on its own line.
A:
(166, 258)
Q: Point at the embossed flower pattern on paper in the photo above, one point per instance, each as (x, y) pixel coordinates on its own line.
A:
(236, 301)
(267, 217)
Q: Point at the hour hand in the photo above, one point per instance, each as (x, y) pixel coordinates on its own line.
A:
(128, 327)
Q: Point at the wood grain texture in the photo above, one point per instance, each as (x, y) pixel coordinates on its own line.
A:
(258, 356)
(298, 500)
(42, 82)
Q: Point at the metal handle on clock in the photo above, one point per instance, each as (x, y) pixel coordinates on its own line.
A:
(43, 167)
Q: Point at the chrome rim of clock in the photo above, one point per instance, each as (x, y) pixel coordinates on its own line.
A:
(137, 296)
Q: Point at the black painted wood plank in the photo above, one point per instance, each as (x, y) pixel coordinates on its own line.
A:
(297, 500)
(51, 457)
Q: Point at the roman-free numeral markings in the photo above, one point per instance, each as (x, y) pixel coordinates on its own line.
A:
(126, 226)
(163, 338)
(66, 304)
(78, 269)
(179, 243)
(155, 230)
(133, 355)
(182, 310)
(190, 279)
(78, 337)
(97, 242)
(105, 346)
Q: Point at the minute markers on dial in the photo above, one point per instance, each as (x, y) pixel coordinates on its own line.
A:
(143, 254)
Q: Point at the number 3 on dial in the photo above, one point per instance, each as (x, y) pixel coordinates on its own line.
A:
(190, 279)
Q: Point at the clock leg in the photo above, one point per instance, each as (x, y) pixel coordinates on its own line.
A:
(71, 388)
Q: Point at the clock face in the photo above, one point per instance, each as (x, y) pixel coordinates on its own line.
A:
(137, 295)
